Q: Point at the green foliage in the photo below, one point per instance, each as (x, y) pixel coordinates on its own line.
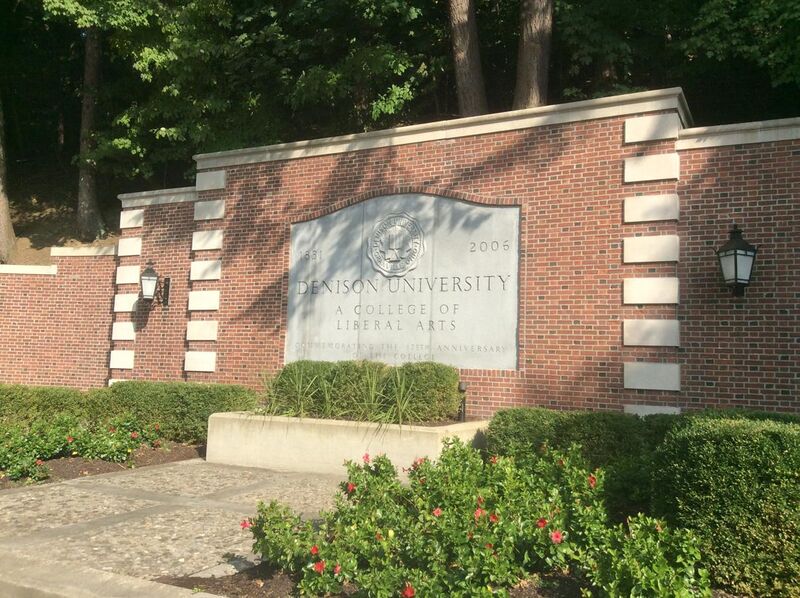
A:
(181, 409)
(645, 558)
(736, 483)
(24, 449)
(764, 33)
(465, 527)
(622, 444)
(365, 391)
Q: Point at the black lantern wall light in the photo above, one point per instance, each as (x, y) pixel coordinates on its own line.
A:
(154, 288)
(736, 260)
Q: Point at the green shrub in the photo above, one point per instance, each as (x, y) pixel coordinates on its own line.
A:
(465, 527)
(622, 444)
(181, 409)
(736, 483)
(27, 404)
(365, 391)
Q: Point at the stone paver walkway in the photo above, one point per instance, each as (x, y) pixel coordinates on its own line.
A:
(175, 519)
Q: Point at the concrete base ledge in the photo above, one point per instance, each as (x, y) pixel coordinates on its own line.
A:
(43, 578)
(321, 445)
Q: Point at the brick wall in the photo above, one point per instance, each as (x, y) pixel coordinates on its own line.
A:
(571, 180)
(54, 328)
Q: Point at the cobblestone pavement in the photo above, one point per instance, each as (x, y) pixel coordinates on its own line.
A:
(175, 519)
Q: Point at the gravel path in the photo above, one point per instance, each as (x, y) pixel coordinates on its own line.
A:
(175, 519)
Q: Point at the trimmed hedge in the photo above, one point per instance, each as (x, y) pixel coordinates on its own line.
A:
(365, 391)
(621, 444)
(736, 484)
(181, 409)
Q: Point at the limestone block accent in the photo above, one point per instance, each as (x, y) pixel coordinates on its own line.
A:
(209, 210)
(200, 361)
(202, 330)
(129, 246)
(652, 376)
(659, 248)
(650, 290)
(649, 128)
(82, 251)
(206, 270)
(121, 360)
(128, 274)
(651, 333)
(20, 269)
(125, 302)
(131, 218)
(649, 208)
(113, 381)
(203, 300)
(206, 239)
(208, 181)
(645, 410)
(123, 331)
(652, 168)
(285, 443)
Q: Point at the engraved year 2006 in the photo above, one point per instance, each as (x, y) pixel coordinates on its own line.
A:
(489, 246)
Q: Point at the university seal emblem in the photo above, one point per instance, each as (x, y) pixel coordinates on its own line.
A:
(396, 244)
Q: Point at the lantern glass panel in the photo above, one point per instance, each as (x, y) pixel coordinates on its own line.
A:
(744, 266)
(149, 286)
(728, 262)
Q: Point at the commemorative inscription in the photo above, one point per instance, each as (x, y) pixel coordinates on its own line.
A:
(406, 278)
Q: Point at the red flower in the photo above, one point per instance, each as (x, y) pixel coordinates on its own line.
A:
(378, 536)
(70, 439)
(592, 481)
(39, 462)
(493, 460)
(351, 487)
(314, 549)
(489, 545)
(541, 522)
(245, 523)
(156, 427)
(560, 462)
(556, 537)
(479, 513)
(319, 567)
(418, 461)
(112, 429)
(366, 457)
(437, 512)
(409, 591)
(337, 569)
(494, 518)
(134, 435)
(480, 500)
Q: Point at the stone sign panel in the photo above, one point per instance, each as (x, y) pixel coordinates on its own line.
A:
(406, 278)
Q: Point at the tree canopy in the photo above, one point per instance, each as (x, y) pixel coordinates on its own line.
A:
(204, 75)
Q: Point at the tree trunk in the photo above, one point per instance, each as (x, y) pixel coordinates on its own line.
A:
(533, 54)
(7, 238)
(90, 223)
(467, 58)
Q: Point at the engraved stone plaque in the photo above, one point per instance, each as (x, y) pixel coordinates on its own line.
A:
(406, 278)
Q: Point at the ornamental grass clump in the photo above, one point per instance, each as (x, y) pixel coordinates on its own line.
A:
(463, 526)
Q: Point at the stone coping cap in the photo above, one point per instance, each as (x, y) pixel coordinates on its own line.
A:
(83, 251)
(621, 105)
(763, 131)
(158, 197)
(346, 423)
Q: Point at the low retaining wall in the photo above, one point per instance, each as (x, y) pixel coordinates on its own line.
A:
(321, 445)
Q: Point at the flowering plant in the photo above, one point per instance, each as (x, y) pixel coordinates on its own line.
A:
(459, 527)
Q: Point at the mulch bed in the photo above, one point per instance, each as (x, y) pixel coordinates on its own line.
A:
(69, 468)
